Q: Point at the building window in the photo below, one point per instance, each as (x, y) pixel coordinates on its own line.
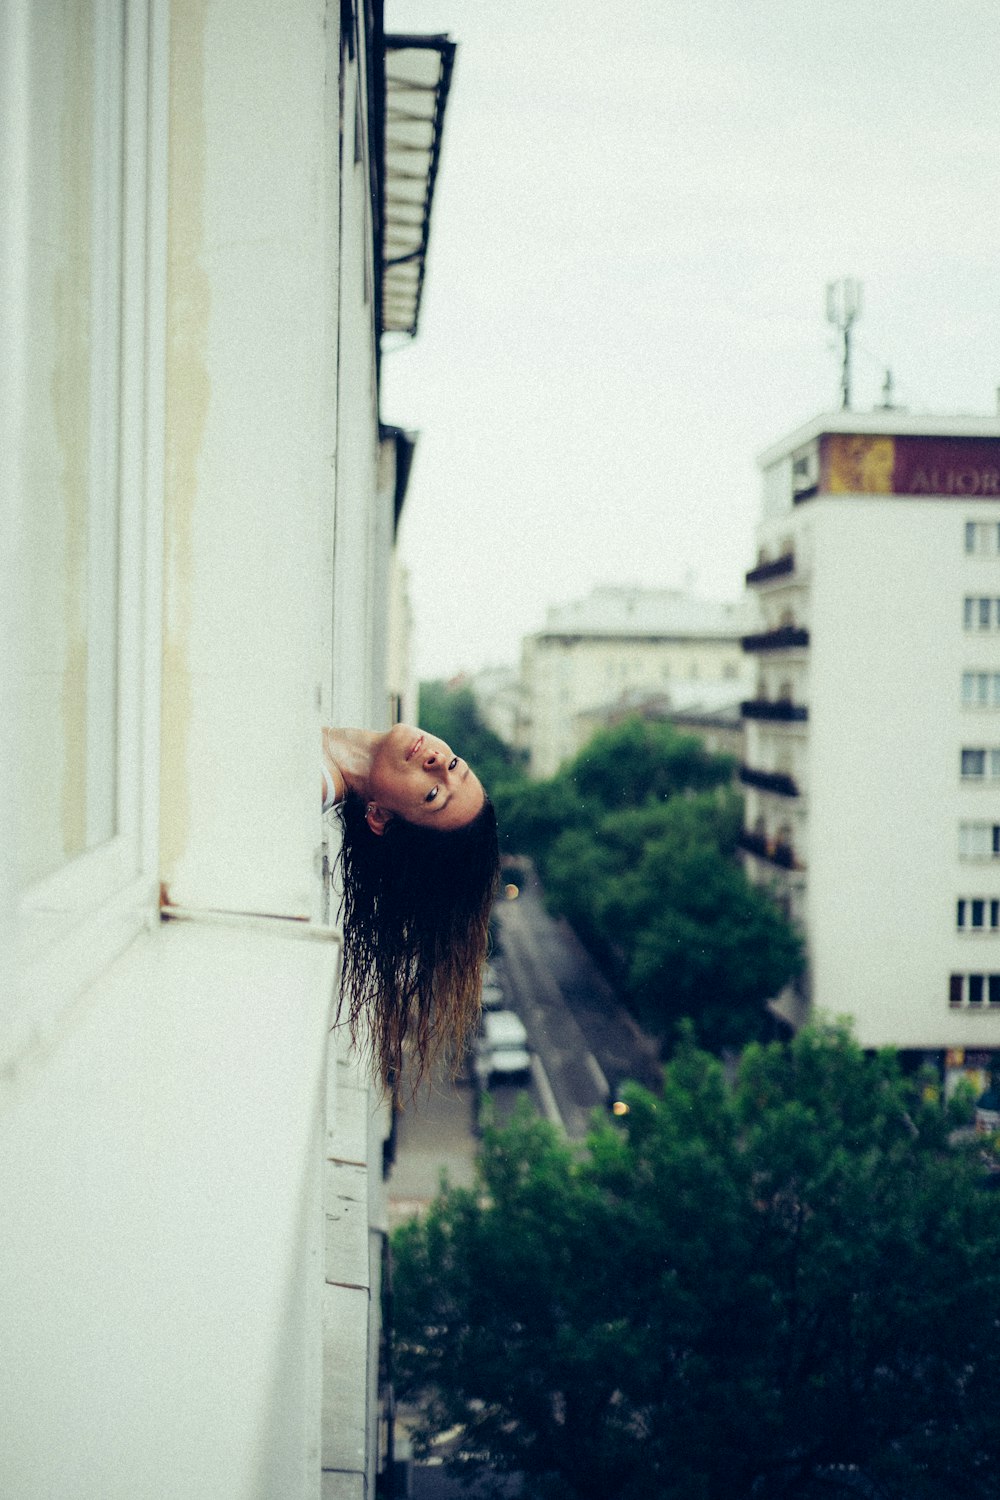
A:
(73, 291)
(979, 840)
(86, 363)
(981, 689)
(973, 989)
(977, 914)
(981, 612)
(978, 764)
(982, 538)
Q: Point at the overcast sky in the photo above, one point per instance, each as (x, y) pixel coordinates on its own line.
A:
(638, 208)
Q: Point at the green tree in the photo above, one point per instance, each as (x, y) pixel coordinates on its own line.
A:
(638, 761)
(778, 1288)
(533, 814)
(633, 765)
(635, 843)
(657, 894)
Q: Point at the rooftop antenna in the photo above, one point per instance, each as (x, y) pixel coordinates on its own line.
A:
(843, 307)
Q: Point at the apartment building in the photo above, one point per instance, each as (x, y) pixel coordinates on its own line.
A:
(872, 774)
(620, 642)
(209, 220)
(497, 691)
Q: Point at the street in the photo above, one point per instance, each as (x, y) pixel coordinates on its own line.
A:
(587, 1041)
(584, 1044)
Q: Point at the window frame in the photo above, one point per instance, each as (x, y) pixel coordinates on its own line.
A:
(978, 991)
(967, 828)
(989, 911)
(982, 538)
(74, 921)
(972, 763)
(985, 757)
(980, 691)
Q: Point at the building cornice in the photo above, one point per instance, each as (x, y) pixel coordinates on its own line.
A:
(875, 423)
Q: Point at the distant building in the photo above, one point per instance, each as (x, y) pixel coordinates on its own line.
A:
(497, 691)
(401, 679)
(872, 771)
(616, 643)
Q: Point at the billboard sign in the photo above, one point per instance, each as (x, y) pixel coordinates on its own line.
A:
(957, 468)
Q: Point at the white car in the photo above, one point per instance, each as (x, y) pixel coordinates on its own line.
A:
(492, 995)
(502, 1049)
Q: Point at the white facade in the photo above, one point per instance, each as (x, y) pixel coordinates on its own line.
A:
(497, 691)
(198, 535)
(873, 795)
(622, 642)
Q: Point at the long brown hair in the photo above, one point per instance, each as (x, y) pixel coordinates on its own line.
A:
(415, 909)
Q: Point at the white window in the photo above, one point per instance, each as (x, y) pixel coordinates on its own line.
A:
(981, 612)
(981, 689)
(974, 763)
(979, 840)
(978, 764)
(72, 477)
(85, 356)
(982, 538)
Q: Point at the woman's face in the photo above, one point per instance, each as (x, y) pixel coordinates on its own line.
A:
(419, 778)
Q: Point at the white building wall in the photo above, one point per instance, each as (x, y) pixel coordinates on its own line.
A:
(497, 691)
(880, 581)
(403, 687)
(618, 641)
(886, 729)
(190, 1170)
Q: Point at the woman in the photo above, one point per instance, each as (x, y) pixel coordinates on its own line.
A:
(419, 867)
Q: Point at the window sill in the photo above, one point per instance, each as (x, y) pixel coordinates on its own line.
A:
(62, 949)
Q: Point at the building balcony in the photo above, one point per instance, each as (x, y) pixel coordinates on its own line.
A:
(779, 709)
(777, 568)
(770, 781)
(775, 851)
(784, 638)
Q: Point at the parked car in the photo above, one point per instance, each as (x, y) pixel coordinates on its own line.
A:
(493, 998)
(502, 1048)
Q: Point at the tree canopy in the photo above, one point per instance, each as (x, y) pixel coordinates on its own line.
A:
(632, 765)
(782, 1287)
(635, 841)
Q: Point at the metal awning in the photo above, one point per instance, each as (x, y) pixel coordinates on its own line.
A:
(417, 76)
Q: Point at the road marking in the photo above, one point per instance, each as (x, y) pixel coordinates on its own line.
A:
(597, 1074)
(545, 1093)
